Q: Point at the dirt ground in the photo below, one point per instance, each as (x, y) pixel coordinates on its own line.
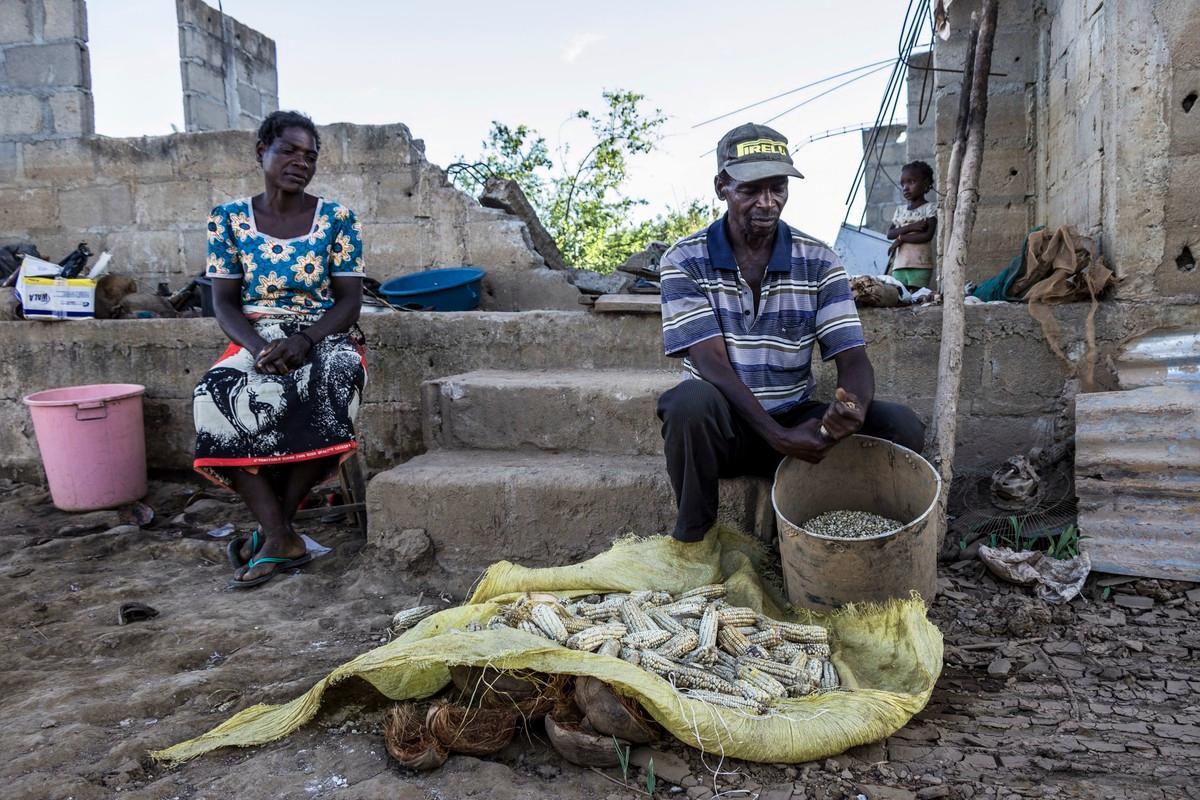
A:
(1096, 699)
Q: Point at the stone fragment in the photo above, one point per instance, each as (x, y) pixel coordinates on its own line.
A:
(886, 792)
(1000, 666)
(506, 195)
(933, 792)
(667, 766)
(412, 546)
(91, 521)
(1134, 601)
(591, 282)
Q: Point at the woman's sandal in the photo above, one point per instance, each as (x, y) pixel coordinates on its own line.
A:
(281, 564)
(234, 550)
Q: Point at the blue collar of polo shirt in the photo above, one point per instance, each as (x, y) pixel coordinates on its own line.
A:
(720, 252)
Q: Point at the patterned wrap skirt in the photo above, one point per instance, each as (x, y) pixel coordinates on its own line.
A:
(248, 419)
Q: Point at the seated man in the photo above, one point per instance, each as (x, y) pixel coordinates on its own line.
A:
(743, 302)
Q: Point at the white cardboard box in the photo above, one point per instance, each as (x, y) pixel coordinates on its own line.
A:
(44, 296)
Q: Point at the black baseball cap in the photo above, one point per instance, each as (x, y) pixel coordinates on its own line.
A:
(752, 152)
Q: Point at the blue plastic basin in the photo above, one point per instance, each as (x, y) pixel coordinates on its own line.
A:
(450, 289)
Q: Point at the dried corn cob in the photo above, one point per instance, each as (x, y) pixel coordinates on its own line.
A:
(816, 650)
(588, 640)
(762, 680)
(800, 634)
(632, 655)
(686, 676)
(403, 620)
(605, 610)
(708, 630)
(726, 659)
(752, 692)
(799, 660)
(814, 670)
(610, 647)
(528, 626)
(689, 607)
(738, 616)
(733, 641)
(768, 638)
(645, 639)
(829, 676)
(724, 673)
(550, 622)
(576, 624)
(784, 673)
(709, 592)
(785, 652)
(691, 623)
(636, 619)
(727, 701)
(496, 622)
(683, 642)
(665, 621)
(659, 599)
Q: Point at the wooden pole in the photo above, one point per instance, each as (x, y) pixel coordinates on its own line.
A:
(954, 170)
(945, 407)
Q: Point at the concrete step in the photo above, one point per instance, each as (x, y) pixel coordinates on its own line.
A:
(584, 411)
(538, 509)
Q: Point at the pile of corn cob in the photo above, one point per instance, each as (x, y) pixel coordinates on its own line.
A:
(715, 652)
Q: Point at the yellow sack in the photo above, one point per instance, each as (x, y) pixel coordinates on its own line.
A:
(889, 657)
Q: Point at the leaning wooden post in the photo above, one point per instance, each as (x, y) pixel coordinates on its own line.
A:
(954, 170)
(945, 407)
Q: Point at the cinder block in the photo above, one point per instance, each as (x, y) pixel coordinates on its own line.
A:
(172, 203)
(1184, 125)
(205, 79)
(64, 19)
(15, 23)
(250, 101)
(374, 145)
(225, 189)
(222, 153)
(1183, 176)
(198, 13)
(24, 210)
(92, 208)
(21, 115)
(9, 163)
(394, 193)
(46, 65)
(73, 113)
(197, 44)
(144, 158)
(1007, 118)
(64, 161)
(194, 243)
(499, 245)
(1004, 174)
(147, 253)
(611, 411)
(348, 188)
(397, 248)
(203, 114)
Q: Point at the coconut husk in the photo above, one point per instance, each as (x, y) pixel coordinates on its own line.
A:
(580, 746)
(611, 714)
(473, 731)
(409, 741)
(492, 688)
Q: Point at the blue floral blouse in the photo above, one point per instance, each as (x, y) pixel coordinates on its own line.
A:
(284, 276)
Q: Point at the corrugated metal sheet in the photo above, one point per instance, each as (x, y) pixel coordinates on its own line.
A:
(1137, 475)
(862, 250)
(1163, 357)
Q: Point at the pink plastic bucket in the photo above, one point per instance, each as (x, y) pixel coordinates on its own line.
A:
(93, 444)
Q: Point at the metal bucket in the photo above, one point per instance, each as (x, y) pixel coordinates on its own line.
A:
(860, 474)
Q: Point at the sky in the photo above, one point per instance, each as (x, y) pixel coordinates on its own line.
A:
(448, 69)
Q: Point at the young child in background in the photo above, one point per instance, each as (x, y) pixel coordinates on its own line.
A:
(912, 228)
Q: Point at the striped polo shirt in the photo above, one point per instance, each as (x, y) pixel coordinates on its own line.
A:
(805, 298)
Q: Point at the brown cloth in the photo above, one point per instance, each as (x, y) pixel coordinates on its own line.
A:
(1061, 267)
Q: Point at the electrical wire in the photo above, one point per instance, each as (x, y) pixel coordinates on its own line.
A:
(910, 33)
(793, 91)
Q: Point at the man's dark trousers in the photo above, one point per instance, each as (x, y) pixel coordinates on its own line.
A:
(705, 440)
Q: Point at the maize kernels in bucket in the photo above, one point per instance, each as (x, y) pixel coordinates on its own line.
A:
(93, 444)
(861, 474)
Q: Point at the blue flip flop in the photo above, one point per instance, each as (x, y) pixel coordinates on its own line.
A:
(281, 564)
(234, 549)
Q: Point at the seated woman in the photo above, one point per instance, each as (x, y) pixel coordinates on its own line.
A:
(276, 413)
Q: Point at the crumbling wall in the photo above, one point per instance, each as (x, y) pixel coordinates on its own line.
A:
(1011, 396)
(228, 69)
(1006, 187)
(146, 200)
(45, 79)
(881, 188)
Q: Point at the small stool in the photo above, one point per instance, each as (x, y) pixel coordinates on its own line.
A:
(353, 487)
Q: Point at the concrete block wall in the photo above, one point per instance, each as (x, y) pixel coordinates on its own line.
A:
(1011, 395)
(146, 200)
(881, 190)
(45, 77)
(921, 84)
(228, 69)
(1007, 186)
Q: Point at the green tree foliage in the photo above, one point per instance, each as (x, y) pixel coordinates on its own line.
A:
(580, 200)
